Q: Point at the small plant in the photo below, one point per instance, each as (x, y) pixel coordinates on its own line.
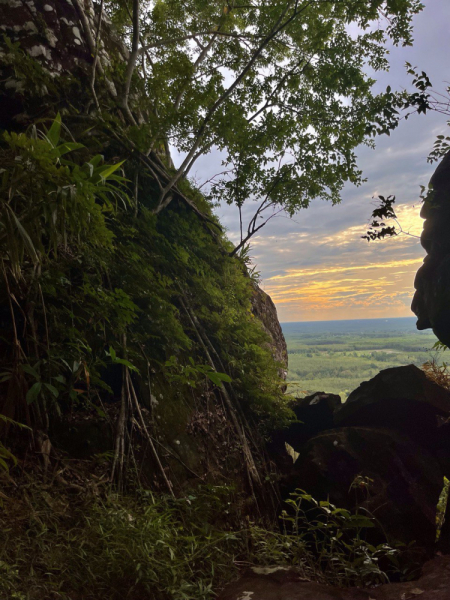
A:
(442, 508)
(192, 373)
(327, 543)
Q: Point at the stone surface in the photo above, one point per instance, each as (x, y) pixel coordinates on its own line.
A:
(316, 411)
(314, 414)
(53, 33)
(401, 398)
(403, 486)
(264, 309)
(431, 301)
(287, 584)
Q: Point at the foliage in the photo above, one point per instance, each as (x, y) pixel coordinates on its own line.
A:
(191, 373)
(280, 89)
(334, 541)
(420, 101)
(442, 507)
(384, 212)
(84, 272)
(117, 547)
(49, 202)
(426, 99)
(439, 373)
(87, 542)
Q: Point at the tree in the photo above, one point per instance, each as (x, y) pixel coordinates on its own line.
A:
(279, 87)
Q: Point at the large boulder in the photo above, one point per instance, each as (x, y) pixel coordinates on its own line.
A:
(264, 309)
(431, 301)
(314, 414)
(400, 398)
(52, 41)
(381, 470)
(278, 583)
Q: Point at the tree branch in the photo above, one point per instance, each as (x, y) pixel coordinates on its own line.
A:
(191, 156)
(131, 61)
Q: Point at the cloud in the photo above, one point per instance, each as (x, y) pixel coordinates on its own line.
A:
(316, 266)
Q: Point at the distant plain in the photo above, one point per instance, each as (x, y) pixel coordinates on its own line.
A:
(336, 356)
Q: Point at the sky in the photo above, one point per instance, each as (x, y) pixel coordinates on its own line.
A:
(315, 266)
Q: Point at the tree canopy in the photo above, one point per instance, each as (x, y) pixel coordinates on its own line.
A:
(281, 88)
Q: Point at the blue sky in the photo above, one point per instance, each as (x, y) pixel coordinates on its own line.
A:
(316, 266)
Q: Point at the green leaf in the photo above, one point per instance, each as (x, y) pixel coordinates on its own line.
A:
(108, 170)
(54, 132)
(218, 378)
(52, 389)
(31, 371)
(33, 392)
(24, 235)
(65, 148)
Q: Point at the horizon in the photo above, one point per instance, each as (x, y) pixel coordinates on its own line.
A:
(351, 320)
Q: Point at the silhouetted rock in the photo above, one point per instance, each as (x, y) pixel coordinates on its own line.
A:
(431, 301)
(402, 486)
(401, 398)
(277, 583)
(314, 414)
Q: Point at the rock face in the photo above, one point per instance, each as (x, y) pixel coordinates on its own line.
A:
(431, 301)
(315, 414)
(264, 309)
(392, 432)
(402, 481)
(59, 35)
(401, 398)
(261, 583)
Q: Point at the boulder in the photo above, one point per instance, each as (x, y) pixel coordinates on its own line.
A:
(400, 398)
(381, 470)
(316, 410)
(279, 583)
(314, 414)
(431, 301)
(264, 309)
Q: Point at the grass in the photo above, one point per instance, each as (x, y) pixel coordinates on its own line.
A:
(61, 540)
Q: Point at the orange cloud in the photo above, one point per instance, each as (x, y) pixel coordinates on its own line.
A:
(345, 291)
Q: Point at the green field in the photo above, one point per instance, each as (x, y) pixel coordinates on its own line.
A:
(336, 356)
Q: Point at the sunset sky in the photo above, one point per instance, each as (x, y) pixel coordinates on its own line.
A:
(316, 266)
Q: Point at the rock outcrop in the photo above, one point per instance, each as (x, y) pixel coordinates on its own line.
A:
(391, 434)
(265, 583)
(431, 301)
(264, 309)
(401, 398)
(380, 470)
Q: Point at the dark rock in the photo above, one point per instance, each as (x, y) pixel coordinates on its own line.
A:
(317, 410)
(401, 398)
(431, 301)
(277, 583)
(314, 414)
(264, 309)
(403, 486)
